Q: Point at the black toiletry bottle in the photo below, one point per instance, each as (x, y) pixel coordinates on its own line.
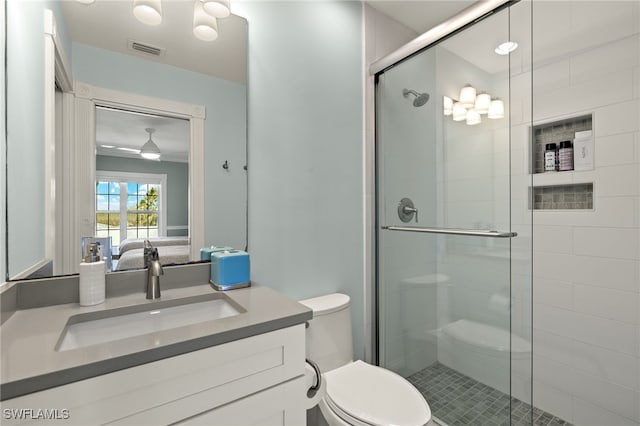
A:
(550, 157)
(565, 156)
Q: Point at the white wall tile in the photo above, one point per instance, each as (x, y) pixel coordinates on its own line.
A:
(552, 346)
(606, 364)
(615, 398)
(607, 303)
(590, 414)
(616, 118)
(553, 400)
(552, 266)
(614, 150)
(606, 59)
(616, 180)
(606, 242)
(554, 373)
(553, 239)
(551, 77)
(615, 335)
(608, 90)
(552, 320)
(553, 292)
(618, 274)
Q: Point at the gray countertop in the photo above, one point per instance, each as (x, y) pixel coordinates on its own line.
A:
(30, 361)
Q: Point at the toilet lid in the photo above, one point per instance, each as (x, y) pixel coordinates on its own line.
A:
(375, 396)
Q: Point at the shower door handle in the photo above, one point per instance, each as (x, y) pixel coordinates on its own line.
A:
(410, 211)
(454, 231)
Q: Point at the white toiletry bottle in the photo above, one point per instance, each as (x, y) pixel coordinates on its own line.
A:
(92, 277)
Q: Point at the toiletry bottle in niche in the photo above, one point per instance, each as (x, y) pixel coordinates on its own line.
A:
(565, 156)
(550, 157)
(92, 277)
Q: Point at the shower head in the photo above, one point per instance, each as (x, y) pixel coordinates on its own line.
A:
(421, 98)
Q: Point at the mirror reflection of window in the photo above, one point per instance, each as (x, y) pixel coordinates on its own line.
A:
(129, 206)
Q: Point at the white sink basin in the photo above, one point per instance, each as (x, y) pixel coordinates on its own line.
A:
(105, 326)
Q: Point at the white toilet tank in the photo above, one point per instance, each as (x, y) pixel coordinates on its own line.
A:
(329, 340)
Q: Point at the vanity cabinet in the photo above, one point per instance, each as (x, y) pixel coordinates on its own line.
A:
(255, 380)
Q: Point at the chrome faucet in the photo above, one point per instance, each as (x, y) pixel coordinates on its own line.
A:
(154, 270)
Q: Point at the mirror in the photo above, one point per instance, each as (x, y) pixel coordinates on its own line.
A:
(84, 77)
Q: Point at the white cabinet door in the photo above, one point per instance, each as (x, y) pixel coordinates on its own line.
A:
(280, 405)
(175, 388)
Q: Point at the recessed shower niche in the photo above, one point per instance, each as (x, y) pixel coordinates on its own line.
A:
(560, 150)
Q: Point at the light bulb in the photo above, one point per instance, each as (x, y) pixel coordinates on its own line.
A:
(468, 96)
(459, 112)
(483, 100)
(205, 26)
(148, 11)
(473, 117)
(217, 8)
(496, 109)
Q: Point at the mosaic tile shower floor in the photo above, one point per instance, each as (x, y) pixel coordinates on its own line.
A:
(460, 400)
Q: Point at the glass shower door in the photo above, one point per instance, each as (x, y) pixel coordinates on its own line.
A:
(451, 199)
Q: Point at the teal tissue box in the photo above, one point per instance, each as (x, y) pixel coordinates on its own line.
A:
(205, 252)
(230, 269)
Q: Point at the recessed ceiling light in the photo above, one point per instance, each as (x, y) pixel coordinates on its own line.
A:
(506, 48)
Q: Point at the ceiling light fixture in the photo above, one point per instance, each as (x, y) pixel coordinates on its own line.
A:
(205, 26)
(150, 150)
(468, 96)
(85, 1)
(217, 8)
(148, 11)
(470, 112)
(506, 47)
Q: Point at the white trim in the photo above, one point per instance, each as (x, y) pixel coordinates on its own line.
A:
(56, 68)
(48, 183)
(87, 97)
(31, 269)
(62, 69)
(177, 227)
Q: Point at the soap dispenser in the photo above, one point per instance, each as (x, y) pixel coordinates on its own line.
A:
(92, 277)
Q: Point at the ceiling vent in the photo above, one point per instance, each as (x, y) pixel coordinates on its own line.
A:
(145, 48)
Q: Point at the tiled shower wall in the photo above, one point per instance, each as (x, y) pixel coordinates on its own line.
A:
(586, 290)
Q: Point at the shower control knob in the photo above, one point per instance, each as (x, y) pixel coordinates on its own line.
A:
(407, 210)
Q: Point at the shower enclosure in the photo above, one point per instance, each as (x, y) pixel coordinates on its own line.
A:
(508, 288)
(454, 229)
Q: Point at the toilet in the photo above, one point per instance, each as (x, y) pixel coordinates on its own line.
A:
(357, 393)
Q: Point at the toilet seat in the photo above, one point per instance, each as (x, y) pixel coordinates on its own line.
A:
(365, 395)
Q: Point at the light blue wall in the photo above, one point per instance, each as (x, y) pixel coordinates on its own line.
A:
(177, 183)
(305, 150)
(225, 126)
(25, 128)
